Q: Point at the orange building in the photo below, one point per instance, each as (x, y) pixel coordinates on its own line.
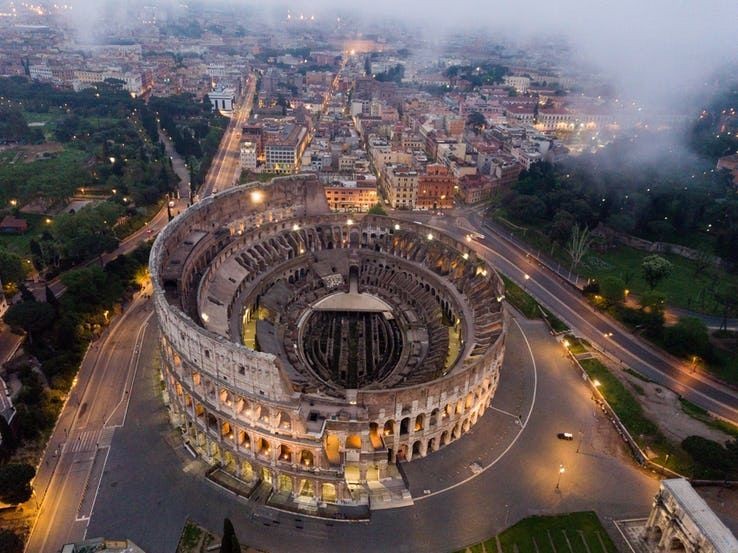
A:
(436, 188)
(351, 196)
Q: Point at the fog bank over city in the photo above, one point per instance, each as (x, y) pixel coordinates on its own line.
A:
(652, 50)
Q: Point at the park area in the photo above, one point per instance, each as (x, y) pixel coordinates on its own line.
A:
(570, 533)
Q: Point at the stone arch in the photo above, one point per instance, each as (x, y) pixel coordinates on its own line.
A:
(417, 449)
(405, 426)
(226, 431)
(328, 492)
(243, 439)
(353, 441)
(285, 453)
(676, 544)
(306, 458)
(456, 432)
(262, 446)
(374, 436)
(247, 471)
(284, 421)
(242, 405)
(420, 422)
(229, 461)
(389, 428)
(434, 417)
(284, 484)
(444, 438)
(332, 448)
(465, 426)
(402, 453)
(264, 413)
(432, 445)
(306, 488)
(212, 421)
(460, 407)
(469, 401)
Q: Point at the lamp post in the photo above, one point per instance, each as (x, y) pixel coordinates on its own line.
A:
(562, 470)
(526, 278)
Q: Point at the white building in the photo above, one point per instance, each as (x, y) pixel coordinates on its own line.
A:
(222, 99)
(248, 155)
(519, 83)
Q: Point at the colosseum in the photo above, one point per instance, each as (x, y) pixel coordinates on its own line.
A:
(306, 353)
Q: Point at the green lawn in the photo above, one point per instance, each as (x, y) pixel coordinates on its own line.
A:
(553, 534)
(697, 412)
(683, 288)
(20, 243)
(521, 300)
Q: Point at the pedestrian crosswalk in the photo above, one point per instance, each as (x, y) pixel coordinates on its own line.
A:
(91, 440)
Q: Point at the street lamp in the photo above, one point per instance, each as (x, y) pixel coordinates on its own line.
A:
(562, 470)
(526, 278)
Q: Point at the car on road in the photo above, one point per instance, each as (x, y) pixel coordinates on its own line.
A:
(565, 436)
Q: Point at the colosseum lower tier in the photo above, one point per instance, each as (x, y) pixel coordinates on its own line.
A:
(306, 353)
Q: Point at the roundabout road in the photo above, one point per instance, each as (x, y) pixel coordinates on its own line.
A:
(151, 485)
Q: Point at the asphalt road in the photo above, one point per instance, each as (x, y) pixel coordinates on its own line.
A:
(151, 485)
(70, 470)
(225, 169)
(570, 306)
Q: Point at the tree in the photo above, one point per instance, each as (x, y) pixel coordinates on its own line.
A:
(688, 337)
(612, 289)
(653, 302)
(476, 121)
(15, 482)
(581, 240)
(727, 298)
(229, 544)
(10, 542)
(377, 209)
(526, 208)
(11, 268)
(31, 316)
(655, 269)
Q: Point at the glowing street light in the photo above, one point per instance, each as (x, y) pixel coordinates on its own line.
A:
(14, 202)
(257, 196)
(562, 470)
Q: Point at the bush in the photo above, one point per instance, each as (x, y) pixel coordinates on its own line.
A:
(15, 482)
(687, 338)
(10, 542)
(711, 459)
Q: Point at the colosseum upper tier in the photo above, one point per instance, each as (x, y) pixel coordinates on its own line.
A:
(307, 351)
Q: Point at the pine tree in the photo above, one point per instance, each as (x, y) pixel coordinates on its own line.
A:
(229, 543)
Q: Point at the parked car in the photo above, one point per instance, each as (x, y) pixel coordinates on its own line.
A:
(565, 436)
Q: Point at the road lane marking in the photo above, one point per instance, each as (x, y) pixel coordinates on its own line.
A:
(673, 380)
(511, 444)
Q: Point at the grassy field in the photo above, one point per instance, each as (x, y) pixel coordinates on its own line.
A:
(571, 533)
(683, 288)
(643, 430)
(697, 412)
(20, 243)
(524, 302)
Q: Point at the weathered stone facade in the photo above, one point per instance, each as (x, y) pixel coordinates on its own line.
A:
(680, 520)
(252, 265)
